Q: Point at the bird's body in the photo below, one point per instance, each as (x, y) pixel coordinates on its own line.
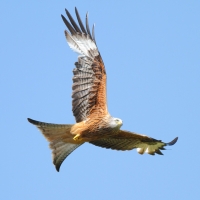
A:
(94, 124)
(96, 128)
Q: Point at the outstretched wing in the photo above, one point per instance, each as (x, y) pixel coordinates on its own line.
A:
(89, 81)
(126, 140)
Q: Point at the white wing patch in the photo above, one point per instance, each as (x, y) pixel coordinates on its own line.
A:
(82, 44)
(147, 150)
(140, 150)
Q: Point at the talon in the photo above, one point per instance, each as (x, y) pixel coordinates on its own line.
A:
(77, 137)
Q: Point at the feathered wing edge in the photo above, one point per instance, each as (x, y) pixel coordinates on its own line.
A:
(126, 140)
(80, 39)
(89, 80)
(60, 140)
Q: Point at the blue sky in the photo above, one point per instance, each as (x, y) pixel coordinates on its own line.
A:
(151, 52)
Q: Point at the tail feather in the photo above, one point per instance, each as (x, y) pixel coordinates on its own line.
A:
(60, 150)
(60, 138)
(53, 131)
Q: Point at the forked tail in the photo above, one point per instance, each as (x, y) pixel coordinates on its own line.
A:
(60, 138)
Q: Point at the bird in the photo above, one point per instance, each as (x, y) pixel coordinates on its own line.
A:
(94, 124)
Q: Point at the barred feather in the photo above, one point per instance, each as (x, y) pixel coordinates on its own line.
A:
(60, 138)
(89, 81)
(126, 140)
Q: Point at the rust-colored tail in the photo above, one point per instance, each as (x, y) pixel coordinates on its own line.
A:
(60, 138)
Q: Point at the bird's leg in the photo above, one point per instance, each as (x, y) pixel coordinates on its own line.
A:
(77, 137)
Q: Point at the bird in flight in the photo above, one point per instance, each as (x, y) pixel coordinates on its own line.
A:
(94, 124)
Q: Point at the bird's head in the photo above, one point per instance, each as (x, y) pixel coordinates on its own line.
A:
(116, 123)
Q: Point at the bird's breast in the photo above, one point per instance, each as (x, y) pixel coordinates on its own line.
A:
(93, 129)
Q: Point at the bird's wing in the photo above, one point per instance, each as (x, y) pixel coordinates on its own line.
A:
(89, 81)
(126, 140)
(60, 139)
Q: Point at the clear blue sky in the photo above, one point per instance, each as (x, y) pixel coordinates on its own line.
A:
(151, 50)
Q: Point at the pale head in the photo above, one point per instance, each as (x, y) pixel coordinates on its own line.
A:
(115, 122)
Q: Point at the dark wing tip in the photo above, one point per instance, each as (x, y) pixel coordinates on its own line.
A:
(172, 142)
(69, 26)
(87, 25)
(80, 21)
(74, 28)
(67, 12)
(63, 18)
(72, 21)
(158, 152)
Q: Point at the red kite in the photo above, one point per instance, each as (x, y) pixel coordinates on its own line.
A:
(94, 124)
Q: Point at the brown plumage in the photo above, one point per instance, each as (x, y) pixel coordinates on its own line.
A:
(94, 124)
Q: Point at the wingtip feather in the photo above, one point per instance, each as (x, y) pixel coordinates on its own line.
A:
(80, 21)
(172, 142)
(87, 25)
(158, 152)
